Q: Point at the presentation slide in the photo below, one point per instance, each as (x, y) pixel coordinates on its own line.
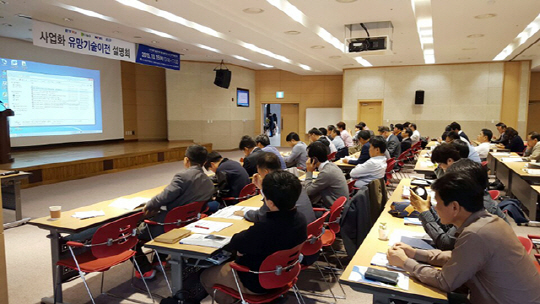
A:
(242, 97)
(50, 99)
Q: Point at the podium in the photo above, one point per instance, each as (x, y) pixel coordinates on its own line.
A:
(5, 144)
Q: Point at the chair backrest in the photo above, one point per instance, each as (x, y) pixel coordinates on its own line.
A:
(350, 185)
(403, 156)
(284, 267)
(180, 216)
(332, 156)
(248, 190)
(494, 194)
(389, 167)
(116, 237)
(527, 243)
(314, 231)
(335, 214)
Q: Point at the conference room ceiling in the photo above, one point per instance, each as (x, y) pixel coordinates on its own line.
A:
(212, 30)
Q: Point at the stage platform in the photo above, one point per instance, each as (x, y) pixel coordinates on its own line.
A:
(67, 162)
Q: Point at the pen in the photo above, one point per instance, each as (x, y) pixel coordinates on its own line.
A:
(202, 227)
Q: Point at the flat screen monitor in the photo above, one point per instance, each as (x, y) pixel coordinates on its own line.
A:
(242, 97)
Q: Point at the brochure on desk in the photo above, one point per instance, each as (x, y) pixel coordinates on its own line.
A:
(357, 275)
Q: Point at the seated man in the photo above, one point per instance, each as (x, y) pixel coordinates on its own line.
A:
(263, 142)
(484, 138)
(284, 228)
(503, 136)
(393, 145)
(488, 258)
(454, 126)
(344, 134)
(330, 184)
(398, 129)
(189, 186)
(230, 176)
(444, 155)
(415, 137)
(266, 164)
(336, 138)
(533, 146)
(375, 167)
(298, 155)
(251, 154)
(316, 135)
(406, 142)
(363, 139)
(466, 149)
(444, 236)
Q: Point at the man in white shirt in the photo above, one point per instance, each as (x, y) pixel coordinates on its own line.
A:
(375, 167)
(347, 138)
(483, 148)
(416, 135)
(533, 146)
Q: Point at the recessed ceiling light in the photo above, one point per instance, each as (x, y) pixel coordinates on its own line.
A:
(292, 32)
(317, 47)
(468, 49)
(7, 24)
(346, 1)
(398, 61)
(68, 19)
(116, 32)
(253, 10)
(464, 58)
(154, 42)
(485, 16)
(334, 57)
(476, 36)
(137, 37)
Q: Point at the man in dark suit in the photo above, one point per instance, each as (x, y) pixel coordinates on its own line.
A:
(457, 128)
(392, 142)
(363, 140)
(406, 142)
(230, 176)
(398, 129)
(251, 153)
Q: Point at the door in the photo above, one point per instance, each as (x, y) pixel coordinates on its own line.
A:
(533, 123)
(289, 121)
(370, 112)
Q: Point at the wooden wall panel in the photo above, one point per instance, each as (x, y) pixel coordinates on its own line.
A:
(534, 88)
(511, 93)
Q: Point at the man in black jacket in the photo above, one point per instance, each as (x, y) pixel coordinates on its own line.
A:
(230, 176)
(284, 228)
(251, 153)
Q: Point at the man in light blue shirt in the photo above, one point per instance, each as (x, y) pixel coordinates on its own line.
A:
(263, 142)
(298, 155)
(472, 154)
(375, 167)
(335, 135)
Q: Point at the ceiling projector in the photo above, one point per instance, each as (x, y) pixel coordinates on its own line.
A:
(367, 44)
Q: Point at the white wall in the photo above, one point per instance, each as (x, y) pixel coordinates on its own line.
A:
(200, 111)
(111, 88)
(470, 94)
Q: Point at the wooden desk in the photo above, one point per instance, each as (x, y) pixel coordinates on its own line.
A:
(432, 143)
(520, 186)
(11, 192)
(418, 292)
(179, 252)
(346, 168)
(421, 167)
(70, 225)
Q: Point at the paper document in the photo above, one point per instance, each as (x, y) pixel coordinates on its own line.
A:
(205, 240)
(511, 159)
(500, 153)
(533, 171)
(396, 235)
(357, 275)
(207, 227)
(129, 203)
(412, 221)
(380, 259)
(228, 212)
(88, 214)
(427, 163)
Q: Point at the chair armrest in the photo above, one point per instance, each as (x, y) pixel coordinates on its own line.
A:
(149, 222)
(320, 209)
(533, 237)
(229, 198)
(74, 244)
(238, 267)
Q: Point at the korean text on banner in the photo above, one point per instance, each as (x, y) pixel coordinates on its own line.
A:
(158, 57)
(62, 38)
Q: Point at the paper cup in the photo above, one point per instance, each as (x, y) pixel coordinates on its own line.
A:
(56, 212)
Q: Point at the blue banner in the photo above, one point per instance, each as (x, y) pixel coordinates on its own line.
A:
(158, 57)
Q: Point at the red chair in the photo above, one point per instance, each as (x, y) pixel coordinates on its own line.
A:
(527, 243)
(112, 244)
(403, 157)
(278, 272)
(332, 156)
(535, 239)
(351, 187)
(390, 163)
(249, 190)
(180, 216)
(494, 194)
(537, 264)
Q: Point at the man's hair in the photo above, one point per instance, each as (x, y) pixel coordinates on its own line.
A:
(196, 154)
(263, 140)
(323, 131)
(212, 157)
(447, 128)
(453, 135)
(487, 133)
(246, 142)
(473, 169)
(443, 152)
(399, 127)
(409, 131)
(413, 125)
(318, 150)
(534, 135)
(364, 134)
(462, 147)
(292, 136)
(406, 124)
(282, 188)
(314, 131)
(341, 125)
(455, 126)
(511, 133)
(331, 128)
(462, 188)
(338, 132)
(268, 160)
(378, 142)
(445, 135)
(501, 124)
(383, 129)
(361, 125)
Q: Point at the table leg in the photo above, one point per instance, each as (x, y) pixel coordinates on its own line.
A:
(55, 257)
(176, 273)
(18, 205)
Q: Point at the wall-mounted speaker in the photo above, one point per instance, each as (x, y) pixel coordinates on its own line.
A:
(419, 97)
(223, 78)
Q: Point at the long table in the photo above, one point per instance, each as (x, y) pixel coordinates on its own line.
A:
(418, 292)
(179, 252)
(70, 225)
(11, 192)
(421, 166)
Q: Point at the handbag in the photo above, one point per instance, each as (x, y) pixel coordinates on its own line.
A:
(403, 209)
